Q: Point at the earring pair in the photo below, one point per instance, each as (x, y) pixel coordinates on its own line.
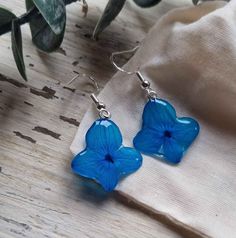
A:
(162, 135)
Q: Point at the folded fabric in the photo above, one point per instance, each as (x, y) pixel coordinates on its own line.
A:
(190, 59)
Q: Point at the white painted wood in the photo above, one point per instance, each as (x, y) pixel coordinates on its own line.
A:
(39, 195)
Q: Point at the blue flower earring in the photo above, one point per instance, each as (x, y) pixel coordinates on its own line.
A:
(105, 159)
(163, 134)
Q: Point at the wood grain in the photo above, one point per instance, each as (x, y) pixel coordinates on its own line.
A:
(39, 195)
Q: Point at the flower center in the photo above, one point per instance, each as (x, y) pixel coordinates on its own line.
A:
(167, 134)
(109, 159)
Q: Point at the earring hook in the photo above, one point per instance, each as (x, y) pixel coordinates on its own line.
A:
(100, 106)
(145, 84)
(121, 53)
(86, 76)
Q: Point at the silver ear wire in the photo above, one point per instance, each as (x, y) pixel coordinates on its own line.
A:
(86, 76)
(121, 53)
(100, 106)
(145, 84)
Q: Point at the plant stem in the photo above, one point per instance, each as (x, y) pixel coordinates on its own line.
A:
(33, 12)
(27, 17)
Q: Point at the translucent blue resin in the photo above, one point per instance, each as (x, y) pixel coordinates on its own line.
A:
(105, 159)
(163, 134)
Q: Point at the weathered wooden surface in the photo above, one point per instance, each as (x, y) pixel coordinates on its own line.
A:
(39, 195)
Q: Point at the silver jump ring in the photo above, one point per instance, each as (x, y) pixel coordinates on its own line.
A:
(103, 113)
(151, 93)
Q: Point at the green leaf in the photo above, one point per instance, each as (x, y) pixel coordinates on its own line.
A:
(147, 3)
(54, 13)
(16, 40)
(111, 11)
(42, 34)
(195, 2)
(6, 16)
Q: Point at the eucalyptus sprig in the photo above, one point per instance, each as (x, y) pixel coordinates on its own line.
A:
(47, 20)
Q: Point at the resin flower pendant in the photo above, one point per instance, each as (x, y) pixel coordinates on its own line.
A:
(105, 159)
(163, 134)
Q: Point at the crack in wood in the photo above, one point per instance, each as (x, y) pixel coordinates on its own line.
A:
(70, 120)
(18, 198)
(19, 134)
(29, 104)
(76, 72)
(46, 92)
(17, 232)
(12, 81)
(88, 35)
(47, 132)
(78, 26)
(70, 89)
(11, 221)
(17, 195)
(75, 63)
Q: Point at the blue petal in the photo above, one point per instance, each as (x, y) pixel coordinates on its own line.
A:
(127, 160)
(105, 159)
(86, 163)
(107, 175)
(185, 131)
(163, 134)
(104, 137)
(173, 152)
(92, 165)
(148, 141)
(158, 114)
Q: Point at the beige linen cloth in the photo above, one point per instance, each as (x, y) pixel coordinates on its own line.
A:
(189, 57)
